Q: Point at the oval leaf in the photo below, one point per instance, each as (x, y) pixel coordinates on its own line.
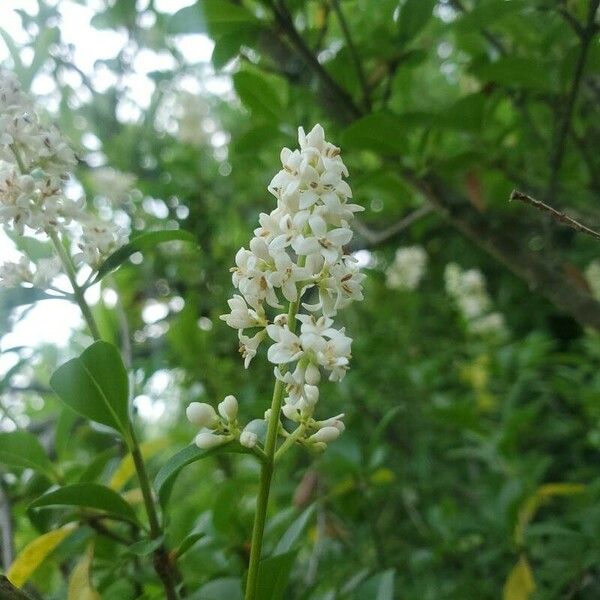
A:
(87, 495)
(95, 385)
(166, 477)
(22, 449)
(33, 555)
(274, 574)
(142, 242)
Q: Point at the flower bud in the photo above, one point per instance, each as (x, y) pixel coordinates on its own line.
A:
(311, 394)
(201, 414)
(206, 440)
(248, 439)
(325, 435)
(312, 375)
(228, 409)
(290, 411)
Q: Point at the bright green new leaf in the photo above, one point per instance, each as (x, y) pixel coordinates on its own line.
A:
(87, 495)
(33, 555)
(22, 449)
(142, 242)
(95, 385)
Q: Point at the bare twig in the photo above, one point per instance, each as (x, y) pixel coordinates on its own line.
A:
(557, 215)
(6, 525)
(374, 238)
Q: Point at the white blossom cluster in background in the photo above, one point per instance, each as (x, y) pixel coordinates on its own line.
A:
(296, 258)
(34, 162)
(469, 291)
(408, 268)
(592, 274)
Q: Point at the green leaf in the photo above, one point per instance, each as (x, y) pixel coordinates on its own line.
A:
(188, 542)
(165, 478)
(485, 14)
(145, 547)
(381, 132)
(211, 16)
(138, 244)
(385, 591)
(46, 37)
(274, 574)
(414, 15)
(295, 530)
(13, 50)
(22, 449)
(87, 495)
(517, 72)
(258, 94)
(229, 588)
(96, 467)
(95, 385)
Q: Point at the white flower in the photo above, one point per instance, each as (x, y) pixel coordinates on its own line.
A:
(46, 270)
(206, 440)
(228, 408)
(243, 317)
(325, 435)
(408, 268)
(201, 415)
(248, 438)
(249, 346)
(287, 347)
(13, 274)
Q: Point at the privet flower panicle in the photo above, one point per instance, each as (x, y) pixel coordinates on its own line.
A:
(297, 258)
(408, 268)
(34, 164)
(469, 291)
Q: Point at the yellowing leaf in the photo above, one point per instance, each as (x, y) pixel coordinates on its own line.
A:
(134, 496)
(80, 585)
(124, 472)
(33, 555)
(383, 476)
(520, 583)
(543, 493)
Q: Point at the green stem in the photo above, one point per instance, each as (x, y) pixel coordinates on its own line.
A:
(78, 293)
(266, 475)
(290, 441)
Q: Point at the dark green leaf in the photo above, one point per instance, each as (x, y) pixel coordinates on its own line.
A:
(22, 449)
(274, 574)
(95, 385)
(382, 132)
(168, 473)
(87, 495)
(517, 72)
(145, 547)
(226, 588)
(188, 543)
(413, 17)
(211, 16)
(258, 94)
(142, 242)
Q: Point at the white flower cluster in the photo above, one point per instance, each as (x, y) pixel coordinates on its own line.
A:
(408, 268)
(298, 251)
(34, 160)
(469, 291)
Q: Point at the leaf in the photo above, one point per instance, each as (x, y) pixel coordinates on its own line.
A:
(274, 574)
(9, 592)
(414, 15)
(12, 297)
(22, 449)
(145, 547)
(96, 467)
(126, 468)
(211, 16)
(188, 542)
(517, 72)
(258, 94)
(385, 591)
(229, 588)
(378, 587)
(33, 555)
(295, 530)
(533, 502)
(165, 478)
(13, 50)
(142, 242)
(95, 385)
(485, 14)
(380, 132)
(80, 585)
(46, 37)
(87, 495)
(520, 583)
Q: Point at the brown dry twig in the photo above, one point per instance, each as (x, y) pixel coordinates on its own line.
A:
(555, 214)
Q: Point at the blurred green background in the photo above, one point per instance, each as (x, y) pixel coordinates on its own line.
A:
(469, 467)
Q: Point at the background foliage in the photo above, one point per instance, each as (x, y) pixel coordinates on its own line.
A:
(469, 467)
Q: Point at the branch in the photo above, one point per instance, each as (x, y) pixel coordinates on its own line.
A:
(557, 215)
(353, 54)
(6, 525)
(564, 124)
(374, 238)
(9, 592)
